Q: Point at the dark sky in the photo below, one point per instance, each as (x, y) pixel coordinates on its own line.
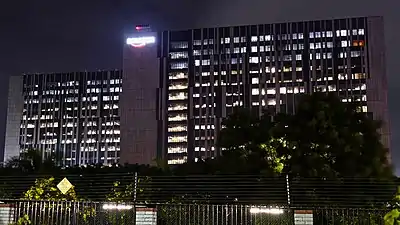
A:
(46, 36)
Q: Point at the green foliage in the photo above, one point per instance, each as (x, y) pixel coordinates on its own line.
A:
(24, 220)
(46, 189)
(121, 193)
(322, 139)
(393, 216)
(32, 160)
(126, 192)
(325, 137)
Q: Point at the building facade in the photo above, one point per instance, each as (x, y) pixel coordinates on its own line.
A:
(72, 116)
(203, 74)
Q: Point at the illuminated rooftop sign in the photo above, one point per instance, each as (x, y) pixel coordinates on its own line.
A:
(140, 41)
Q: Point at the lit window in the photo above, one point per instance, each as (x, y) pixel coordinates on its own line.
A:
(255, 91)
(178, 128)
(361, 32)
(254, 80)
(254, 38)
(254, 59)
(197, 42)
(179, 55)
(329, 34)
(253, 48)
(177, 150)
(177, 161)
(355, 53)
(177, 139)
(271, 91)
(344, 43)
(177, 96)
(179, 65)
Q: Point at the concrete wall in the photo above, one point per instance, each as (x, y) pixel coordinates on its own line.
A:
(14, 116)
(138, 104)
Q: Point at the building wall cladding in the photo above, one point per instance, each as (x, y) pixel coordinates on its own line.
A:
(139, 125)
(211, 71)
(73, 116)
(14, 115)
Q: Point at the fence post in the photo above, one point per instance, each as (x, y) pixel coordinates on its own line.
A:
(135, 187)
(135, 197)
(288, 189)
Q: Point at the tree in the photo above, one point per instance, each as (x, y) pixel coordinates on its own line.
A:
(46, 189)
(332, 142)
(32, 161)
(328, 138)
(249, 144)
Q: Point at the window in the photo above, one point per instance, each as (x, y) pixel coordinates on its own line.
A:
(197, 42)
(179, 65)
(254, 80)
(179, 55)
(179, 45)
(254, 60)
(253, 48)
(255, 91)
(329, 34)
(344, 44)
(355, 53)
(254, 38)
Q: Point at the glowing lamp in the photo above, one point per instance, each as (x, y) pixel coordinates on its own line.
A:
(140, 41)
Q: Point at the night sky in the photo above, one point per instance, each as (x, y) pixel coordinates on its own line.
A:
(50, 36)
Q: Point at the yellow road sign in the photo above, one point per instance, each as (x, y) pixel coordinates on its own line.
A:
(64, 186)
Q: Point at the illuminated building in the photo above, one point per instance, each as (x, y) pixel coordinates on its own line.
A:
(189, 81)
(74, 116)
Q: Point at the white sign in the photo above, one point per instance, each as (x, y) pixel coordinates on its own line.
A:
(146, 216)
(140, 41)
(303, 217)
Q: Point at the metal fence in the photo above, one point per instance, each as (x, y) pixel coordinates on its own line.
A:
(202, 200)
(96, 213)
(222, 189)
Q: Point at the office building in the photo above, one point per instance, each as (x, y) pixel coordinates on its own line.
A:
(184, 83)
(73, 116)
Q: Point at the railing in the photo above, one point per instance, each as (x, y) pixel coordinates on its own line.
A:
(247, 190)
(202, 200)
(96, 213)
